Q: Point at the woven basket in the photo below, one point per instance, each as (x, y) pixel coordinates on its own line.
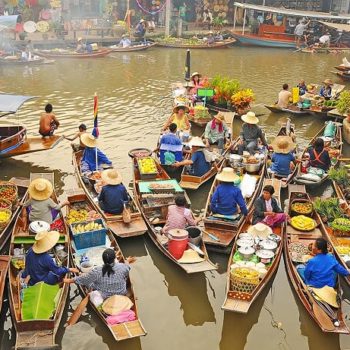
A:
(5, 204)
(6, 184)
(244, 284)
(3, 224)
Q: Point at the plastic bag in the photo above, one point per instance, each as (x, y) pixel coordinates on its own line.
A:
(247, 185)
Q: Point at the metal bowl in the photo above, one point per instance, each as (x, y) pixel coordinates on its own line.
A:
(252, 167)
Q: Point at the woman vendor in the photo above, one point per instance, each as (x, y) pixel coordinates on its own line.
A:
(88, 161)
(216, 132)
(40, 267)
(196, 80)
(180, 118)
(227, 197)
(267, 210)
(319, 157)
(326, 89)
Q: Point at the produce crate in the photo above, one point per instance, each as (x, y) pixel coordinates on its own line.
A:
(90, 238)
(148, 175)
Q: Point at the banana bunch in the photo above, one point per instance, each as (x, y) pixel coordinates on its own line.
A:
(147, 165)
(91, 226)
(343, 250)
(77, 215)
(4, 216)
(303, 223)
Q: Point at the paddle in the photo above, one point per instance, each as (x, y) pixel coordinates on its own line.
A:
(78, 312)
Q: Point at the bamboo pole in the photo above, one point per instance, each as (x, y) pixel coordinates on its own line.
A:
(167, 17)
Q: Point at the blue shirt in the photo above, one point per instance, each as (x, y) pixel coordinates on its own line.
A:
(112, 198)
(226, 198)
(89, 159)
(42, 268)
(326, 92)
(200, 166)
(321, 270)
(281, 163)
(170, 143)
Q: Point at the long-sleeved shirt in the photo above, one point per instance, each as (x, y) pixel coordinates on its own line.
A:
(226, 198)
(321, 271)
(213, 134)
(42, 268)
(252, 132)
(41, 210)
(281, 163)
(260, 208)
(170, 143)
(88, 162)
(178, 217)
(319, 160)
(326, 92)
(112, 198)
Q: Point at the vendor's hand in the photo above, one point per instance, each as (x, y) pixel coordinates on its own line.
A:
(240, 142)
(74, 270)
(176, 165)
(67, 280)
(130, 259)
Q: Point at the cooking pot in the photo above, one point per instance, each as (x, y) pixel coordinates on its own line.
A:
(246, 252)
(267, 244)
(245, 242)
(265, 256)
(235, 159)
(194, 235)
(252, 167)
(38, 226)
(274, 237)
(246, 235)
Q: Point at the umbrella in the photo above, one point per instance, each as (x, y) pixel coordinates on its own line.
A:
(188, 66)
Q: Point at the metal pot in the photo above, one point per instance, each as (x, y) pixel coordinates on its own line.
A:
(274, 237)
(245, 242)
(267, 244)
(246, 235)
(235, 159)
(246, 252)
(252, 167)
(265, 256)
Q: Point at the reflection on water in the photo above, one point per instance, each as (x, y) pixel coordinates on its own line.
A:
(178, 311)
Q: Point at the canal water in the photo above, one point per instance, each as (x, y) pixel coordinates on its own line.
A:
(134, 90)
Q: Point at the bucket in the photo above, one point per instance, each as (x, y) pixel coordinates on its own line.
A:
(177, 244)
(194, 235)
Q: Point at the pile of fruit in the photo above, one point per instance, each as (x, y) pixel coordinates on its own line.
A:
(5, 204)
(5, 216)
(58, 225)
(343, 250)
(91, 226)
(303, 223)
(18, 264)
(147, 165)
(302, 207)
(77, 215)
(341, 224)
(8, 191)
(201, 112)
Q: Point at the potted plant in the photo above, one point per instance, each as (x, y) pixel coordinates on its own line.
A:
(242, 99)
(343, 104)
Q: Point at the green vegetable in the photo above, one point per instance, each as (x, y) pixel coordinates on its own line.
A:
(343, 105)
(328, 208)
(341, 224)
(340, 176)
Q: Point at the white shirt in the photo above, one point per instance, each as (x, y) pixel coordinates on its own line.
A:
(268, 205)
(325, 39)
(299, 29)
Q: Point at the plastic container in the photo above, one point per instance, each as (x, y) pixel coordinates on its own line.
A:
(194, 235)
(177, 244)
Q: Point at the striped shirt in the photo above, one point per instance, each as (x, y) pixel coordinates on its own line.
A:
(115, 284)
(178, 217)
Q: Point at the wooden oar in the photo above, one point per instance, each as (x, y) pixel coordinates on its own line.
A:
(78, 312)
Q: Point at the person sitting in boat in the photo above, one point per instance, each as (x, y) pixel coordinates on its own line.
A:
(250, 134)
(189, 90)
(109, 279)
(196, 80)
(170, 147)
(322, 269)
(113, 195)
(40, 267)
(140, 30)
(218, 36)
(326, 89)
(302, 87)
(40, 205)
(312, 89)
(319, 156)
(80, 46)
(125, 41)
(227, 197)
(325, 40)
(284, 97)
(48, 122)
(179, 217)
(82, 130)
(93, 159)
(210, 38)
(199, 162)
(267, 210)
(217, 132)
(180, 118)
(282, 157)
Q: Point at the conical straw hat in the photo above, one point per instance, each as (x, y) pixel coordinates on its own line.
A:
(45, 240)
(40, 189)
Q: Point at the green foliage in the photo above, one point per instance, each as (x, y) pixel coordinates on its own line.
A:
(343, 104)
(328, 208)
(340, 176)
(224, 87)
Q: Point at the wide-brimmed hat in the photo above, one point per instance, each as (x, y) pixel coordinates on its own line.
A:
(327, 294)
(40, 189)
(227, 175)
(45, 240)
(190, 257)
(195, 73)
(142, 20)
(250, 118)
(328, 82)
(219, 116)
(176, 108)
(189, 84)
(116, 304)
(80, 39)
(196, 141)
(260, 230)
(111, 177)
(88, 140)
(124, 35)
(283, 144)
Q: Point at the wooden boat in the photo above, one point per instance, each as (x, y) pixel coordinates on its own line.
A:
(291, 235)
(4, 266)
(62, 53)
(179, 45)
(115, 223)
(155, 214)
(123, 331)
(330, 49)
(36, 333)
(291, 109)
(22, 187)
(343, 75)
(200, 122)
(15, 61)
(137, 46)
(342, 68)
(241, 301)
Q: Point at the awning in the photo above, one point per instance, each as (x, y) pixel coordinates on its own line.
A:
(338, 26)
(11, 103)
(8, 22)
(296, 13)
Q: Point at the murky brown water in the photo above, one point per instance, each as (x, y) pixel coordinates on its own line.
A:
(178, 311)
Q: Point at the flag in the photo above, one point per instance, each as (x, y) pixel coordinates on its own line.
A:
(95, 131)
(188, 66)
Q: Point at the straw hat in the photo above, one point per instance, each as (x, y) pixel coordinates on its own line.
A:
(88, 140)
(260, 230)
(327, 294)
(195, 73)
(250, 118)
(176, 108)
(196, 141)
(227, 175)
(142, 20)
(328, 82)
(80, 39)
(40, 189)
(45, 240)
(111, 177)
(283, 144)
(220, 117)
(189, 84)
(116, 304)
(190, 257)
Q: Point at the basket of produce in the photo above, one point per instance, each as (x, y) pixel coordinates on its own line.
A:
(303, 223)
(341, 227)
(89, 234)
(297, 251)
(8, 191)
(18, 263)
(301, 207)
(343, 249)
(81, 215)
(201, 112)
(147, 167)
(244, 279)
(162, 188)
(5, 204)
(5, 217)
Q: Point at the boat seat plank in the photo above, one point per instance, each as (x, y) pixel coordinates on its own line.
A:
(190, 185)
(236, 305)
(128, 330)
(35, 339)
(314, 233)
(134, 228)
(199, 267)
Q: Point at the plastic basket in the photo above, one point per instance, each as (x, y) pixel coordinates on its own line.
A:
(244, 284)
(91, 238)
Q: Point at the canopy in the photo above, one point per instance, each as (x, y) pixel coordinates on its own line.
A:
(338, 26)
(296, 13)
(11, 103)
(8, 22)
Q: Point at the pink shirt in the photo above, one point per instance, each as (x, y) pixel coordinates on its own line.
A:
(178, 217)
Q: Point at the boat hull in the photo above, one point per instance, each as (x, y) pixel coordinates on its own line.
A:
(254, 40)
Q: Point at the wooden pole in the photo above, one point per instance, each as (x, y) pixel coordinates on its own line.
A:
(167, 17)
(244, 14)
(235, 19)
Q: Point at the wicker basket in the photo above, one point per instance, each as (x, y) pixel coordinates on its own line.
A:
(302, 201)
(244, 284)
(5, 204)
(6, 184)
(3, 224)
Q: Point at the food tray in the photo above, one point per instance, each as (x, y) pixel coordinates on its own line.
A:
(297, 251)
(162, 188)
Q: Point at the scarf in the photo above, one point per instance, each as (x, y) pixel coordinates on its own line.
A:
(213, 125)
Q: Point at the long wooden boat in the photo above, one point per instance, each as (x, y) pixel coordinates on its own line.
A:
(36, 333)
(122, 331)
(155, 214)
(239, 301)
(342, 68)
(216, 45)
(292, 235)
(290, 110)
(4, 266)
(115, 223)
(134, 47)
(343, 75)
(61, 53)
(19, 62)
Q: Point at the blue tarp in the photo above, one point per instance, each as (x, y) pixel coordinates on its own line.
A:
(11, 103)
(8, 22)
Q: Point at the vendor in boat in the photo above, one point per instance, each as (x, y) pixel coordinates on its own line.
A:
(199, 162)
(170, 147)
(196, 80)
(179, 217)
(125, 41)
(82, 130)
(92, 155)
(218, 36)
(302, 87)
(282, 157)
(40, 205)
(180, 118)
(325, 40)
(326, 89)
(250, 134)
(210, 38)
(217, 132)
(113, 195)
(40, 267)
(322, 269)
(267, 210)
(227, 197)
(80, 46)
(109, 279)
(311, 89)
(48, 122)
(319, 156)
(140, 30)
(284, 97)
